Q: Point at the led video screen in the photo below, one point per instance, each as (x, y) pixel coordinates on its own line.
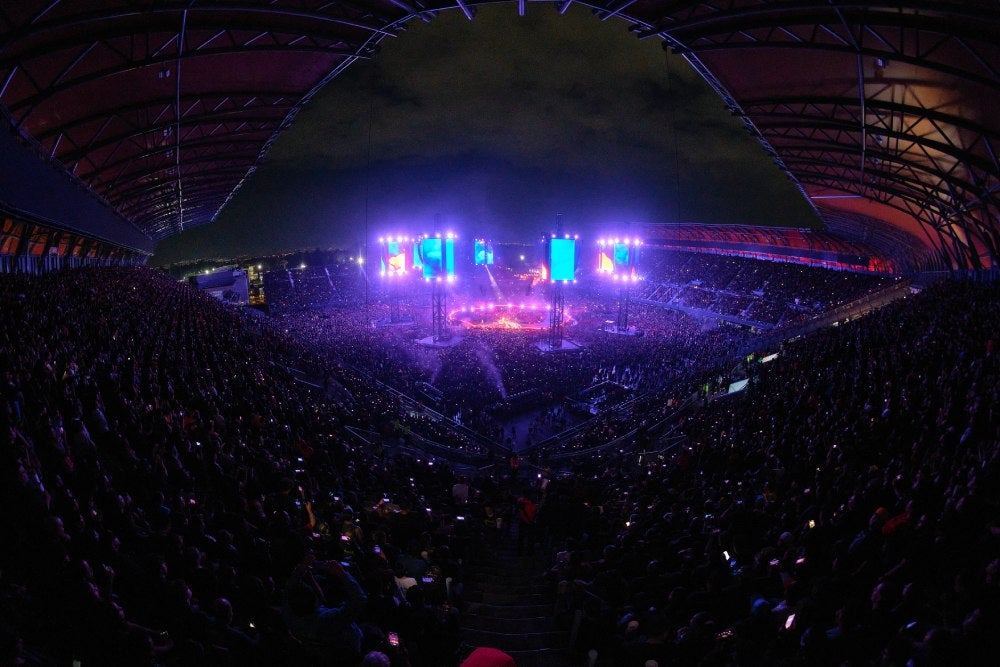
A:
(394, 261)
(417, 262)
(483, 251)
(605, 260)
(437, 257)
(562, 259)
(617, 257)
(449, 257)
(431, 258)
(623, 254)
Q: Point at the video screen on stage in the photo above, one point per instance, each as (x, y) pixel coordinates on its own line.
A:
(605, 260)
(618, 257)
(417, 263)
(394, 261)
(622, 255)
(437, 257)
(562, 259)
(483, 252)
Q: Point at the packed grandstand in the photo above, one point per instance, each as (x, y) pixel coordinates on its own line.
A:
(753, 445)
(186, 482)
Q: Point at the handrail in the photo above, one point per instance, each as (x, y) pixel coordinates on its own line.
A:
(412, 402)
(479, 438)
(858, 306)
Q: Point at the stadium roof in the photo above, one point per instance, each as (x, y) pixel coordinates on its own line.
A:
(882, 112)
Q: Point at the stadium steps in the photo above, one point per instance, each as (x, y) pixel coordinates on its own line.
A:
(510, 607)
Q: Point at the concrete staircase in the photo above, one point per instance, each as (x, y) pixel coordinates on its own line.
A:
(510, 607)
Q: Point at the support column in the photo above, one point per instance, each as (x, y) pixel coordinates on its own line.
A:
(439, 311)
(558, 304)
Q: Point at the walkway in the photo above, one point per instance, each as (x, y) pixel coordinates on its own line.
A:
(511, 608)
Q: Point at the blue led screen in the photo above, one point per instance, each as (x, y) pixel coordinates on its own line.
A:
(437, 257)
(562, 259)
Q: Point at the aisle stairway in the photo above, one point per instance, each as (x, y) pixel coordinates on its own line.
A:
(511, 608)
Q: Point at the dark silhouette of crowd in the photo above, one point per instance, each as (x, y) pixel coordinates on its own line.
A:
(185, 484)
(307, 287)
(843, 510)
(493, 375)
(174, 494)
(753, 290)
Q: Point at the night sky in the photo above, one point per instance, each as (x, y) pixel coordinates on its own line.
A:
(494, 126)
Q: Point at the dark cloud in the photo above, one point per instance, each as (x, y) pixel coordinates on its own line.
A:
(499, 123)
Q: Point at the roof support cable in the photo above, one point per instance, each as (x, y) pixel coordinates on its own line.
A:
(861, 91)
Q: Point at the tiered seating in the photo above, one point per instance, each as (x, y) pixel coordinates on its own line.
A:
(749, 290)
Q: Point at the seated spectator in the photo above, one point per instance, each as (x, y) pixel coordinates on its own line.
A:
(327, 632)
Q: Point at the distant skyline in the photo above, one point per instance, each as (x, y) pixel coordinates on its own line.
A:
(492, 127)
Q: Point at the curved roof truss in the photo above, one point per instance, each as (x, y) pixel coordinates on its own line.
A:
(877, 111)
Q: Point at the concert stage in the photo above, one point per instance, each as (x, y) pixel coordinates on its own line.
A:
(505, 317)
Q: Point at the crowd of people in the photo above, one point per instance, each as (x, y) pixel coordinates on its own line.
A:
(186, 484)
(496, 376)
(752, 290)
(175, 494)
(843, 510)
(310, 287)
(491, 376)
